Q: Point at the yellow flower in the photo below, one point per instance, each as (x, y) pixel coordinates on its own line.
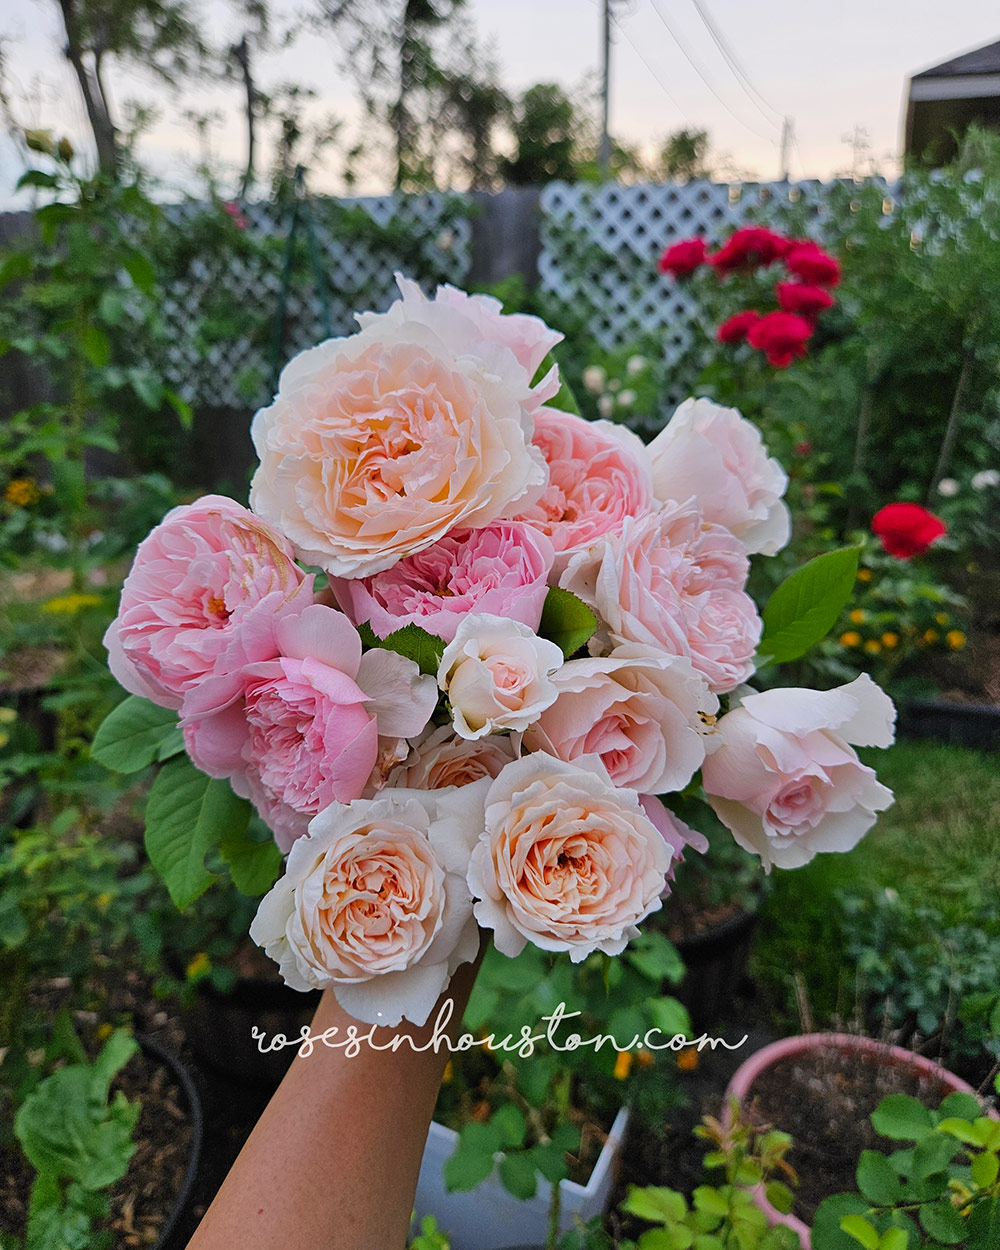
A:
(69, 605)
(103, 900)
(103, 1032)
(942, 618)
(687, 1060)
(199, 965)
(623, 1065)
(858, 616)
(21, 492)
(873, 646)
(890, 640)
(449, 1073)
(955, 639)
(931, 635)
(851, 639)
(864, 575)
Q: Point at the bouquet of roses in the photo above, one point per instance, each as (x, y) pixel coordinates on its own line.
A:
(529, 625)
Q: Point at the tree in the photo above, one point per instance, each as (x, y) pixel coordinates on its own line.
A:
(473, 105)
(545, 129)
(684, 156)
(159, 36)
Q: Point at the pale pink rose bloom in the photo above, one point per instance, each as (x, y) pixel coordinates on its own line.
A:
(599, 474)
(205, 590)
(567, 860)
(501, 569)
(717, 455)
(497, 675)
(645, 714)
(677, 835)
(378, 445)
(674, 583)
(786, 782)
(306, 732)
(374, 904)
(443, 759)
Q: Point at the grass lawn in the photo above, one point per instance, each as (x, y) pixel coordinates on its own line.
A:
(939, 844)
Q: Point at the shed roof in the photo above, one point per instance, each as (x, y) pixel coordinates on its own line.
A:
(984, 60)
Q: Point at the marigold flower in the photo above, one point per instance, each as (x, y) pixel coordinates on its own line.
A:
(858, 616)
(931, 636)
(890, 641)
(687, 1059)
(955, 639)
(623, 1065)
(873, 646)
(850, 639)
(864, 575)
(21, 492)
(942, 618)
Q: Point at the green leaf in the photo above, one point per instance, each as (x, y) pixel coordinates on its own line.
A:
(827, 1233)
(147, 387)
(941, 1221)
(564, 399)
(670, 1016)
(960, 1105)
(982, 1228)
(877, 1179)
(902, 1118)
(133, 734)
(510, 1125)
(972, 1133)
(140, 271)
(517, 1172)
(894, 1239)
(779, 1196)
(804, 608)
(857, 1226)
(13, 926)
(707, 1198)
(652, 954)
(931, 1156)
(253, 865)
(655, 1203)
(472, 1159)
(96, 346)
(187, 814)
(36, 178)
(412, 642)
(16, 266)
(566, 621)
(985, 1168)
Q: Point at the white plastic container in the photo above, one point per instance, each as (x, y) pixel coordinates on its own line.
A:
(490, 1218)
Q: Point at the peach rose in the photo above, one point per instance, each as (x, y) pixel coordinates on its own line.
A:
(715, 454)
(599, 474)
(374, 904)
(204, 593)
(784, 779)
(674, 583)
(496, 674)
(443, 759)
(378, 445)
(643, 713)
(567, 860)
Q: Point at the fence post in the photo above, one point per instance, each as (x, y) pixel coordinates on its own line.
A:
(505, 235)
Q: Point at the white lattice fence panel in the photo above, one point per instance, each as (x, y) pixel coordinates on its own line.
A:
(221, 315)
(600, 247)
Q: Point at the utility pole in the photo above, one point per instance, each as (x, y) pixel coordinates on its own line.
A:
(787, 134)
(604, 154)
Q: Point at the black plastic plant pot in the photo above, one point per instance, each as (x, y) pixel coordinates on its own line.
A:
(154, 1050)
(716, 963)
(955, 724)
(220, 1029)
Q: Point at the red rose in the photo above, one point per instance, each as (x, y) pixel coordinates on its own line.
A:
(747, 248)
(233, 210)
(803, 449)
(683, 258)
(906, 529)
(810, 263)
(734, 329)
(781, 336)
(803, 298)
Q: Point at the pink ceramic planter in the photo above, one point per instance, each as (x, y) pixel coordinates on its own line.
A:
(892, 1056)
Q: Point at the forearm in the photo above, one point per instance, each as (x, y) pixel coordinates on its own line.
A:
(332, 1163)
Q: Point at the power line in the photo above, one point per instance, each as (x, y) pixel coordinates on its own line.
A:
(642, 57)
(702, 75)
(739, 73)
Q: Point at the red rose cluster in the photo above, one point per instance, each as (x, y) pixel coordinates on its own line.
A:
(780, 335)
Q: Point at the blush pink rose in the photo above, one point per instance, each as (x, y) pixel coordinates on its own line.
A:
(599, 474)
(378, 445)
(501, 570)
(643, 713)
(567, 860)
(784, 778)
(443, 759)
(717, 455)
(204, 593)
(674, 583)
(374, 904)
(306, 732)
(677, 835)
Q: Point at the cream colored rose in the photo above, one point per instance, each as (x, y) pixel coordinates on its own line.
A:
(378, 445)
(567, 861)
(644, 714)
(443, 759)
(496, 673)
(374, 902)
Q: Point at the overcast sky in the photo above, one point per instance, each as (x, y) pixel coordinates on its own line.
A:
(829, 66)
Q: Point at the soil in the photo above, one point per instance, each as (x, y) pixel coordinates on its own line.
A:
(690, 917)
(143, 1198)
(824, 1100)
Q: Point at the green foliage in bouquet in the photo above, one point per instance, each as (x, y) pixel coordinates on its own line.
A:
(79, 1141)
(939, 1187)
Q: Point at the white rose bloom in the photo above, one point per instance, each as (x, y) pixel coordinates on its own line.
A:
(374, 903)
(497, 675)
(985, 479)
(605, 406)
(594, 379)
(635, 365)
(948, 487)
(626, 399)
(718, 456)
